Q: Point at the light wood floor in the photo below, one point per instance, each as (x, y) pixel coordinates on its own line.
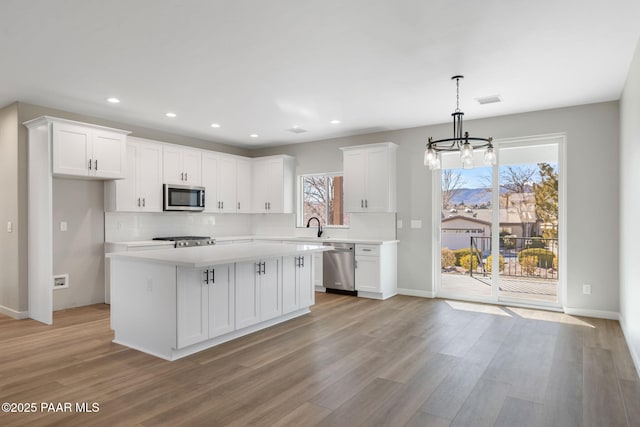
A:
(351, 362)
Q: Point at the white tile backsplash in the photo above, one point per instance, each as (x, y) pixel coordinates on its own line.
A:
(124, 227)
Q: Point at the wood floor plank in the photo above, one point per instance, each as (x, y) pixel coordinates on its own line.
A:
(351, 361)
(521, 413)
(483, 405)
(564, 394)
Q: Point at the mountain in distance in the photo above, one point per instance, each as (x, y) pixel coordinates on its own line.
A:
(477, 196)
(472, 196)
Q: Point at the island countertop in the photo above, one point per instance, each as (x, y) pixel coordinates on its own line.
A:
(197, 257)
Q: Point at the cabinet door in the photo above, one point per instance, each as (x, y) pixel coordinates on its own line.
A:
(108, 153)
(71, 145)
(227, 184)
(290, 293)
(367, 273)
(377, 180)
(317, 268)
(243, 186)
(247, 295)
(149, 176)
(305, 282)
(221, 301)
(172, 166)
(126, 189)
(270, 290)
(274, 177)
(260, 186)
(192, 167)
(192, 305)
(210, 183)
(354, 180)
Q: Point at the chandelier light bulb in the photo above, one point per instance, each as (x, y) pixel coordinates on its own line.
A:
(429, 156)
(490, 156)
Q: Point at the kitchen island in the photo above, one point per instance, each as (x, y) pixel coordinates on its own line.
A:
(174, 302)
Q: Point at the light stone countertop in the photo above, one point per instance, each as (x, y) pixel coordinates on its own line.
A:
(196, 257)
(308, 239)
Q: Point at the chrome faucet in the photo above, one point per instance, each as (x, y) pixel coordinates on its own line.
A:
(319, 226)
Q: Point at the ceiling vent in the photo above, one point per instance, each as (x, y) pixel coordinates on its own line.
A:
(296, 130)
(489, 99)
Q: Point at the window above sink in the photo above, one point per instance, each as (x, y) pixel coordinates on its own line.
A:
(322, 196)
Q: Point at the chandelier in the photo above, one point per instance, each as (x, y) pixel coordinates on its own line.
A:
(461, 142)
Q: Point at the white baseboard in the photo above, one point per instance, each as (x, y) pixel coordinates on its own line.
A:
(600, 314)
(416, 293)
(13, 313)
(634, 356)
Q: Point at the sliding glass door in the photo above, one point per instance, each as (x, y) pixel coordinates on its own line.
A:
(498, 227)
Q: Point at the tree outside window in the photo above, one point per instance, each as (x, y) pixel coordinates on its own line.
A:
(323, 197)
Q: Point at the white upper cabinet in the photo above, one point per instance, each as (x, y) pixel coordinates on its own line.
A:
(370, 177)
(243, 186)
(182, 166)
(273, 184)
(87, 151)
(141, 190)
(219, 180)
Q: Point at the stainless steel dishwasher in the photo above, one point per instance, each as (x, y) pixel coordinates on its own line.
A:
(338, 268)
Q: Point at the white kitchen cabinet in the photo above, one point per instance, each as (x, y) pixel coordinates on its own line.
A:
(182, 166)
(370, 178)
(243, 185)
(297, 283)
(273, 178)
(258, 291)
(87, 151)
(317, 270)
(205, 303)
(141, 189)
(219, 180)
(376, 270)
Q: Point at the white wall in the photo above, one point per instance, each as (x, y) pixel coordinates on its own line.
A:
(592, 196)
(9, 242)
(630, 208)
(79, 251)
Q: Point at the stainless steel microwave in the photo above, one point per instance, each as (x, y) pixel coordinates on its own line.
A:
(183, 198)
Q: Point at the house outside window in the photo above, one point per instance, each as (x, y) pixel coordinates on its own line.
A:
(322, 196)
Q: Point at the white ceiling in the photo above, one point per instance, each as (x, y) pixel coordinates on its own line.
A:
(258, 66)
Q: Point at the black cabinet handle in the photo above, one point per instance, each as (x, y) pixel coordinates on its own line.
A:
(206, 277)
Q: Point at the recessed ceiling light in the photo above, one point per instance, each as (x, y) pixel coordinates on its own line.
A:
(172, 115)
(113, 100)
(215, 125)
(335, 122)
(254, 135)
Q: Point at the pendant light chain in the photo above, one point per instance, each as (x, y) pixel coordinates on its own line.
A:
(457, 95)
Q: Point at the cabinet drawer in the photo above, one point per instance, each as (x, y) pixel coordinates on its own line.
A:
(368, 250)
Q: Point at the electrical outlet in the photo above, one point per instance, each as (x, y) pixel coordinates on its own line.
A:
(416, 223)
(63, 225)
(61, 281)
(9, 227)
(399, 223)
(586, 289)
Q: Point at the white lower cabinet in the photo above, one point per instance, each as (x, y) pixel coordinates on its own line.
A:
(376, 271)
(205, 303)
(297, 283)
(258, 291)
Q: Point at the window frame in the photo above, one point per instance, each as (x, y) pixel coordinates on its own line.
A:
(300, 198)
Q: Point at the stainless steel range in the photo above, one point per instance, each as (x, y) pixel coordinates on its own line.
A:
(188, 241)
